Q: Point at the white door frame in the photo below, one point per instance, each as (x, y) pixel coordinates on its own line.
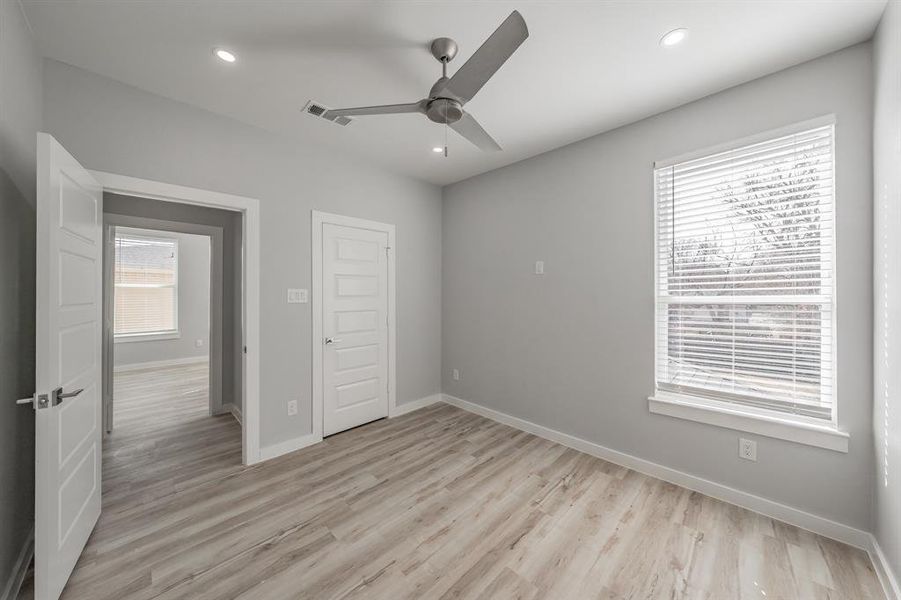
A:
(250, 209)
(318, 220)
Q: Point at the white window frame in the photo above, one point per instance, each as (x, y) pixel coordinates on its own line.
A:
(168, 334)
(803, 430)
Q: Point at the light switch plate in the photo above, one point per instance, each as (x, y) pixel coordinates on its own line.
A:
(297, 296)
(539, 267)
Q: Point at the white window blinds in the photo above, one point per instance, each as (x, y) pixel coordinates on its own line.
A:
(745, 276)
(146, 277)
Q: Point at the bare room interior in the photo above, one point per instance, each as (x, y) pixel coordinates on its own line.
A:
(494, 300)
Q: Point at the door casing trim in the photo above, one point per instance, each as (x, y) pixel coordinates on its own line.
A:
(319, 219)
(250, 210)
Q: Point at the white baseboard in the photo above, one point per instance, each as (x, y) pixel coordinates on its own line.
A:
(788, 514)
(309, 439)
(406, 407)
(887, 576)
(235, 412)
(157, 364)
(20, 569)
(267, 452)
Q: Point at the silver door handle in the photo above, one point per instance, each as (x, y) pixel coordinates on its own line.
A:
(29, 400)
(59, 396)
(332, 340)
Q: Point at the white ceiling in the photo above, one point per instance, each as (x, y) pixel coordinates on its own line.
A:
(587, 67)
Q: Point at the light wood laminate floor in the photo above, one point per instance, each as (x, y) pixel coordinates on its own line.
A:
(439, 503)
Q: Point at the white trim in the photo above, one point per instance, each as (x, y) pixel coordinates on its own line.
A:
(128, 338)
(161, 364)
(740, 419)
(763, 136)
(231, 408)
(20, 569)
(887, 577)
(318, 219)
(274, 450)
(250, 208)
(408, 407)
(309, 439)
(769, 508)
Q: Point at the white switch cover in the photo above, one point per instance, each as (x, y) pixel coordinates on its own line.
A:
(747, 449)
(296, 296)
(539, 267)
(292, 408)
(198, 343)
(456, 374)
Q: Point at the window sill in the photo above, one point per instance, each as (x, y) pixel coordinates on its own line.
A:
(147, 337)
(703, 411)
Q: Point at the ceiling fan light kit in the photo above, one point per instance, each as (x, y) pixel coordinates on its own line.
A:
(449, 95)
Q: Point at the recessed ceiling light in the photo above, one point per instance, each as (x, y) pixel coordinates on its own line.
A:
(225, 55)
(673, 37)
(437, 149)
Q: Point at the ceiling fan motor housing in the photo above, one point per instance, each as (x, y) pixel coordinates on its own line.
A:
(444, 110)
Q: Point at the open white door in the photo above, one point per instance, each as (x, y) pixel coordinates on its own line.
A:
(68, 364)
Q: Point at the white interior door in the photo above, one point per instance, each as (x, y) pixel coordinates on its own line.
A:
(354, 326)
(68, 364)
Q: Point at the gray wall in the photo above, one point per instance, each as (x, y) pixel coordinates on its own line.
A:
(20, 119)
(114, 127)
(193, 306)
(573, 350)
(887, 269)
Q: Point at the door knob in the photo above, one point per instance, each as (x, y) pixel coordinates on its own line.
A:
(329, 340)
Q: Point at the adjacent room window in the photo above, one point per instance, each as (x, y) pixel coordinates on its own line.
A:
(745, 271)
(146, 290)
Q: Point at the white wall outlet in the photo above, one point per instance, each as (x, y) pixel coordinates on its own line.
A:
(292, 408)
(456, 374)
(747, 449)
(198, 343)
(539, 267)
(297, 296)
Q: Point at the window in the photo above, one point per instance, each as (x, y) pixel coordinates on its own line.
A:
(745, 272)
(146, 286)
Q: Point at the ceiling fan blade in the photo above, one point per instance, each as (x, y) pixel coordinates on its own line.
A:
(385, 109)
(476, 71)
(469, 128)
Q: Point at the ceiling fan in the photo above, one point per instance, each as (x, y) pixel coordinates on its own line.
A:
(447, 97)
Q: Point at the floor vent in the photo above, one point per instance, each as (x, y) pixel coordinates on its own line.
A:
(318, 110)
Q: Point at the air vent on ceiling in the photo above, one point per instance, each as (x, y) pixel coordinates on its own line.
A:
(318, 110)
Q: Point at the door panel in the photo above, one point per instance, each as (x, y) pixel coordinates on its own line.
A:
(355, 320)
(68, 314)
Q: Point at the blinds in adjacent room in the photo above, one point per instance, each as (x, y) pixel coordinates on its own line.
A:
(146, 279)
(746, 275)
